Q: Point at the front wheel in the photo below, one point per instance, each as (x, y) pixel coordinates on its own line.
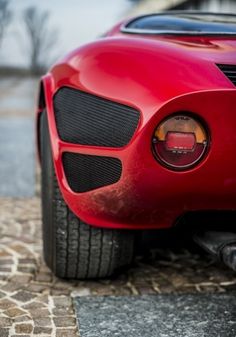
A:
(72, 248)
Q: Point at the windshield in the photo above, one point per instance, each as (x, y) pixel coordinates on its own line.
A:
(183, 23)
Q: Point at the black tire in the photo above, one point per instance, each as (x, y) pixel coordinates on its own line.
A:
(72, 248)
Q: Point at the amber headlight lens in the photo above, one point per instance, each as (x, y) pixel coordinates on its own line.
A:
(180, 142)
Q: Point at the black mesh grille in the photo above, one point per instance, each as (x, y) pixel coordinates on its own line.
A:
(229, 71)
(85, 172)
(86, 119)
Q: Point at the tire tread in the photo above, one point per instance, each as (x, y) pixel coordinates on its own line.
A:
(72, 248)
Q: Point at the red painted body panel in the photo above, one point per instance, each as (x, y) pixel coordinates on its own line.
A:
(159, 77)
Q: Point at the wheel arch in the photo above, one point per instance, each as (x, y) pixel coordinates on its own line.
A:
(42, 103)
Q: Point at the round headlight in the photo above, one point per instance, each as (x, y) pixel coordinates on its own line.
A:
(180, 142)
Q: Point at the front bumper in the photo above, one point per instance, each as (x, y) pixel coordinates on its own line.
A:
(149, 195)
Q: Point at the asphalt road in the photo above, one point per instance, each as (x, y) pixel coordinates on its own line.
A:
(17, 157)
(157, 316)
(17, 139)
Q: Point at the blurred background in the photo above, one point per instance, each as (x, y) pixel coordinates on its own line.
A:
(33, 35)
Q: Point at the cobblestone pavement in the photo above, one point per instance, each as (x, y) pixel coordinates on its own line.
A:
(33, 302)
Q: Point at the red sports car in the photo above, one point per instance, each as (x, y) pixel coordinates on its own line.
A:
(136, 131)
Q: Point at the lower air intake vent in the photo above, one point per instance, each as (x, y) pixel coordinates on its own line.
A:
(229, 71)
(85, 172)
(86, 119)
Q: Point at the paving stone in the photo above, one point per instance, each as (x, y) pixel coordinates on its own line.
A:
(6, 261)
(39, 313)
(57, 292)
(67, 333)
(63, 311)
(4, 332)
(103, 290)
(6, 304)
(4, 253)
(23, 328)
(5, 322)
(22, 279)
(36, 288)
(157, 316)
(5, 270)
(45, 321)
(42, 330)
(34, 306)
(81, 292)
(64, 321)
(44, 277)
(20, 249)
(14, 312)
(24, 318)
(23, 296)
(11, 286)
(27, 261)
(43, 299)
(62, 301)
(26, 269)
(63, 284)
